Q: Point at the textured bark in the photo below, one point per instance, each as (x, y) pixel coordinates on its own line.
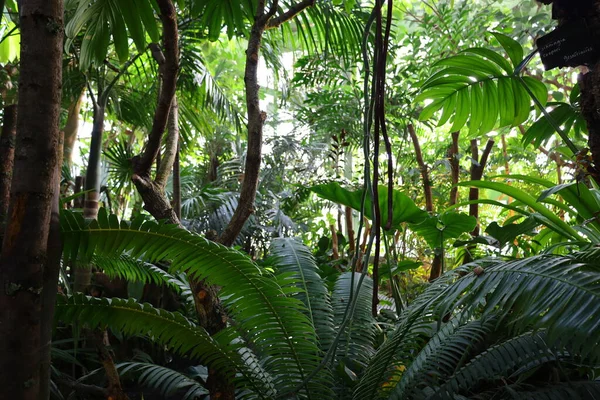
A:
(7, 155)
(169, 67)
(166, 164)
(177, 184)
(590, 104)
(155, 201)
(423, 168)
(51, 272)
(92, 176)
(25, 246)
(114, 389)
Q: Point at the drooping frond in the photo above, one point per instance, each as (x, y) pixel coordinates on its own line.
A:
(294, 257)
(273, 323)
(163, 379)
(167, 328)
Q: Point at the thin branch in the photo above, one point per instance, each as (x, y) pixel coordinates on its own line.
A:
(169, 69)
(423, 168)
(290, 13)
(171, 146)
(104, 97)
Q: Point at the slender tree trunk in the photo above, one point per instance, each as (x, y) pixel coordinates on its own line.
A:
(477, 168)
(92, 176)
(177, 184)
(25, 254)
(7, 155)
(454, 167)
(71, 129)
(423, 168)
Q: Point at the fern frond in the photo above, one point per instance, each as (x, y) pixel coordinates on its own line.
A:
(273, 323)
(166, 380)
(504, 361)
(294, 257)
(357, 342)
(416, 325)
(133, 270)
(167, 328)
(442, 355)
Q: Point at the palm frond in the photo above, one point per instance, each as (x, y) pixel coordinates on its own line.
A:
(504, 361)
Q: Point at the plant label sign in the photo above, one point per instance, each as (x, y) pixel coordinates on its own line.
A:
(568, 45)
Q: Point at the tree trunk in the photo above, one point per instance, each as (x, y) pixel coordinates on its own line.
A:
(477, 168)
(7, 155)
(423, 168)
(177, 184)
(71, 129)
(25, 252)
(454, 167)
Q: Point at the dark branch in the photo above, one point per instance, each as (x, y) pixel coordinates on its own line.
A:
(143, 163)
(290, 13)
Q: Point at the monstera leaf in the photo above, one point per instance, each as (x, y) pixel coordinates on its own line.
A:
(404, 209)
(438, 228)
(479, 88)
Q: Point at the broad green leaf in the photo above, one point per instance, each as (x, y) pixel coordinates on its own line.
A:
(538, 88)
(490, 105)
(506, 101)
(449, 107)
(555, 222)
(522, 103)
(463, 108)
(511, 46)
(477, 110)
(542, 129)
(493, 56)
(404, 209)
(473, 63)
(508, 233)
(438, 228)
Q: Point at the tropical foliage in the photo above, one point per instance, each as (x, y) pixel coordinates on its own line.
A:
(340, 199)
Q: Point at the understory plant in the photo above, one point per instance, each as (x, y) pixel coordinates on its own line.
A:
(489, 329)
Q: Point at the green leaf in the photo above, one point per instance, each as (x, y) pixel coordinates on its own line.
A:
(404, 209)
(473, 63)
(511, 46)
(554, 221)
(507, 233)
(463, 109)
(493, 56)
(506, 102)
(450, 225)
(542, 130)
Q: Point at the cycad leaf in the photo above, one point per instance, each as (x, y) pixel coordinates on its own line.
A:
(274, 323)
(291, 256)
